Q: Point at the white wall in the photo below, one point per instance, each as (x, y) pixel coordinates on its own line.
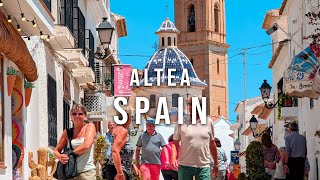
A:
(37, 111)
(307, 117)
(222, 131)
(244, 120)
(7, 140)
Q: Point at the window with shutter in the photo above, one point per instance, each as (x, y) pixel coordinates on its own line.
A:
(175, 100)
(52, 111)
(66, 114)
(91, 47)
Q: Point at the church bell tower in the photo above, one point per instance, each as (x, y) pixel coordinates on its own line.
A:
(202, 26)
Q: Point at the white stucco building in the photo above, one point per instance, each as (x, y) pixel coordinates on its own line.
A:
(253, 106)
(69, 63)
(290, 39)
(222, 131)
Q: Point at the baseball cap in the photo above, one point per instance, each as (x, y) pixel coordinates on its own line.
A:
(150, 120)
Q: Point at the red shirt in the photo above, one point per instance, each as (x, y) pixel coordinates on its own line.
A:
(163, 157)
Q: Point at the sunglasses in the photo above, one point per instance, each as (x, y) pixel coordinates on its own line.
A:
(79, 114)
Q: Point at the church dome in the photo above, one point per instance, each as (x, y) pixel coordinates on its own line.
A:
(170, 58)
(168, 27)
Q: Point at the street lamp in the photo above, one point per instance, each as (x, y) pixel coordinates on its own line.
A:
(253, 123)
(237, 145)
(253, 126)
(105, 31)
(265, 90)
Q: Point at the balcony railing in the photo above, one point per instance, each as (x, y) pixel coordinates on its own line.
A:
(95, 104)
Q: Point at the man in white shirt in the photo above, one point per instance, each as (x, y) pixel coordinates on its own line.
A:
(197, 145)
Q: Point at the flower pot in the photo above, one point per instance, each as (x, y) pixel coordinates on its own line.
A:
(10, 83)
(27, 94)
(108, 93)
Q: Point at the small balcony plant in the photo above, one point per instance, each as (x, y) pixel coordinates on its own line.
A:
(107, 82)
(11, 78)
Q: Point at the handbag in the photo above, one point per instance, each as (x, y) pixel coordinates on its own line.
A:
(69, 170)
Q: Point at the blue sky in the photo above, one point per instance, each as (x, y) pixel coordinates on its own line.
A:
(244, 21)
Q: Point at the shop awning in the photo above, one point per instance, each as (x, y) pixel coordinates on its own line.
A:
(257, 110)
(300, 75)
(260, 128)
(265, 113)
(15, 49)
(120, 22)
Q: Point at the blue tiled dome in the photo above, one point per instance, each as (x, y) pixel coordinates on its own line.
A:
(167, 26)
(170, 58)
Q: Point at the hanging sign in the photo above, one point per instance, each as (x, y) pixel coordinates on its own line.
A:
(299, 76)
(122, 74)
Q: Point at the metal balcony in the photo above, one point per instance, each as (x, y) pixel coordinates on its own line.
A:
(95, 104)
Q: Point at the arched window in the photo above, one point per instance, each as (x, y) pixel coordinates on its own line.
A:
(169, 41)
(218, 66)
(191, 60)
(175, 100)
(152, 101)
(191, 18)
(174, 41)
(219, 111)
(216, 13)
(162, 41)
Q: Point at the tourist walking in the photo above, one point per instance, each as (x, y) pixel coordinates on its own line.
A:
(222, 162)
(108, 138)
(296, 152)
(82, 144)
(197, 143)
(279, 173)
(151, 143)
(271, 155)
(167, 172)
(119, 166)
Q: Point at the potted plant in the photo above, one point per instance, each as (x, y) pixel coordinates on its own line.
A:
(255, 162)
(28, 91)
(11, 78)
(108, 84)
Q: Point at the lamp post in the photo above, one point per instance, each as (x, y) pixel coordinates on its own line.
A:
(237, 145)
(265, 90)
(253, 123)
(253, 126)
(105, 31)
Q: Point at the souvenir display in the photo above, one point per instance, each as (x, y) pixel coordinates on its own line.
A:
(16, 101)
(15, 131)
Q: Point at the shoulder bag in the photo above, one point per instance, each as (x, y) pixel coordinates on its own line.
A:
(69, 170)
